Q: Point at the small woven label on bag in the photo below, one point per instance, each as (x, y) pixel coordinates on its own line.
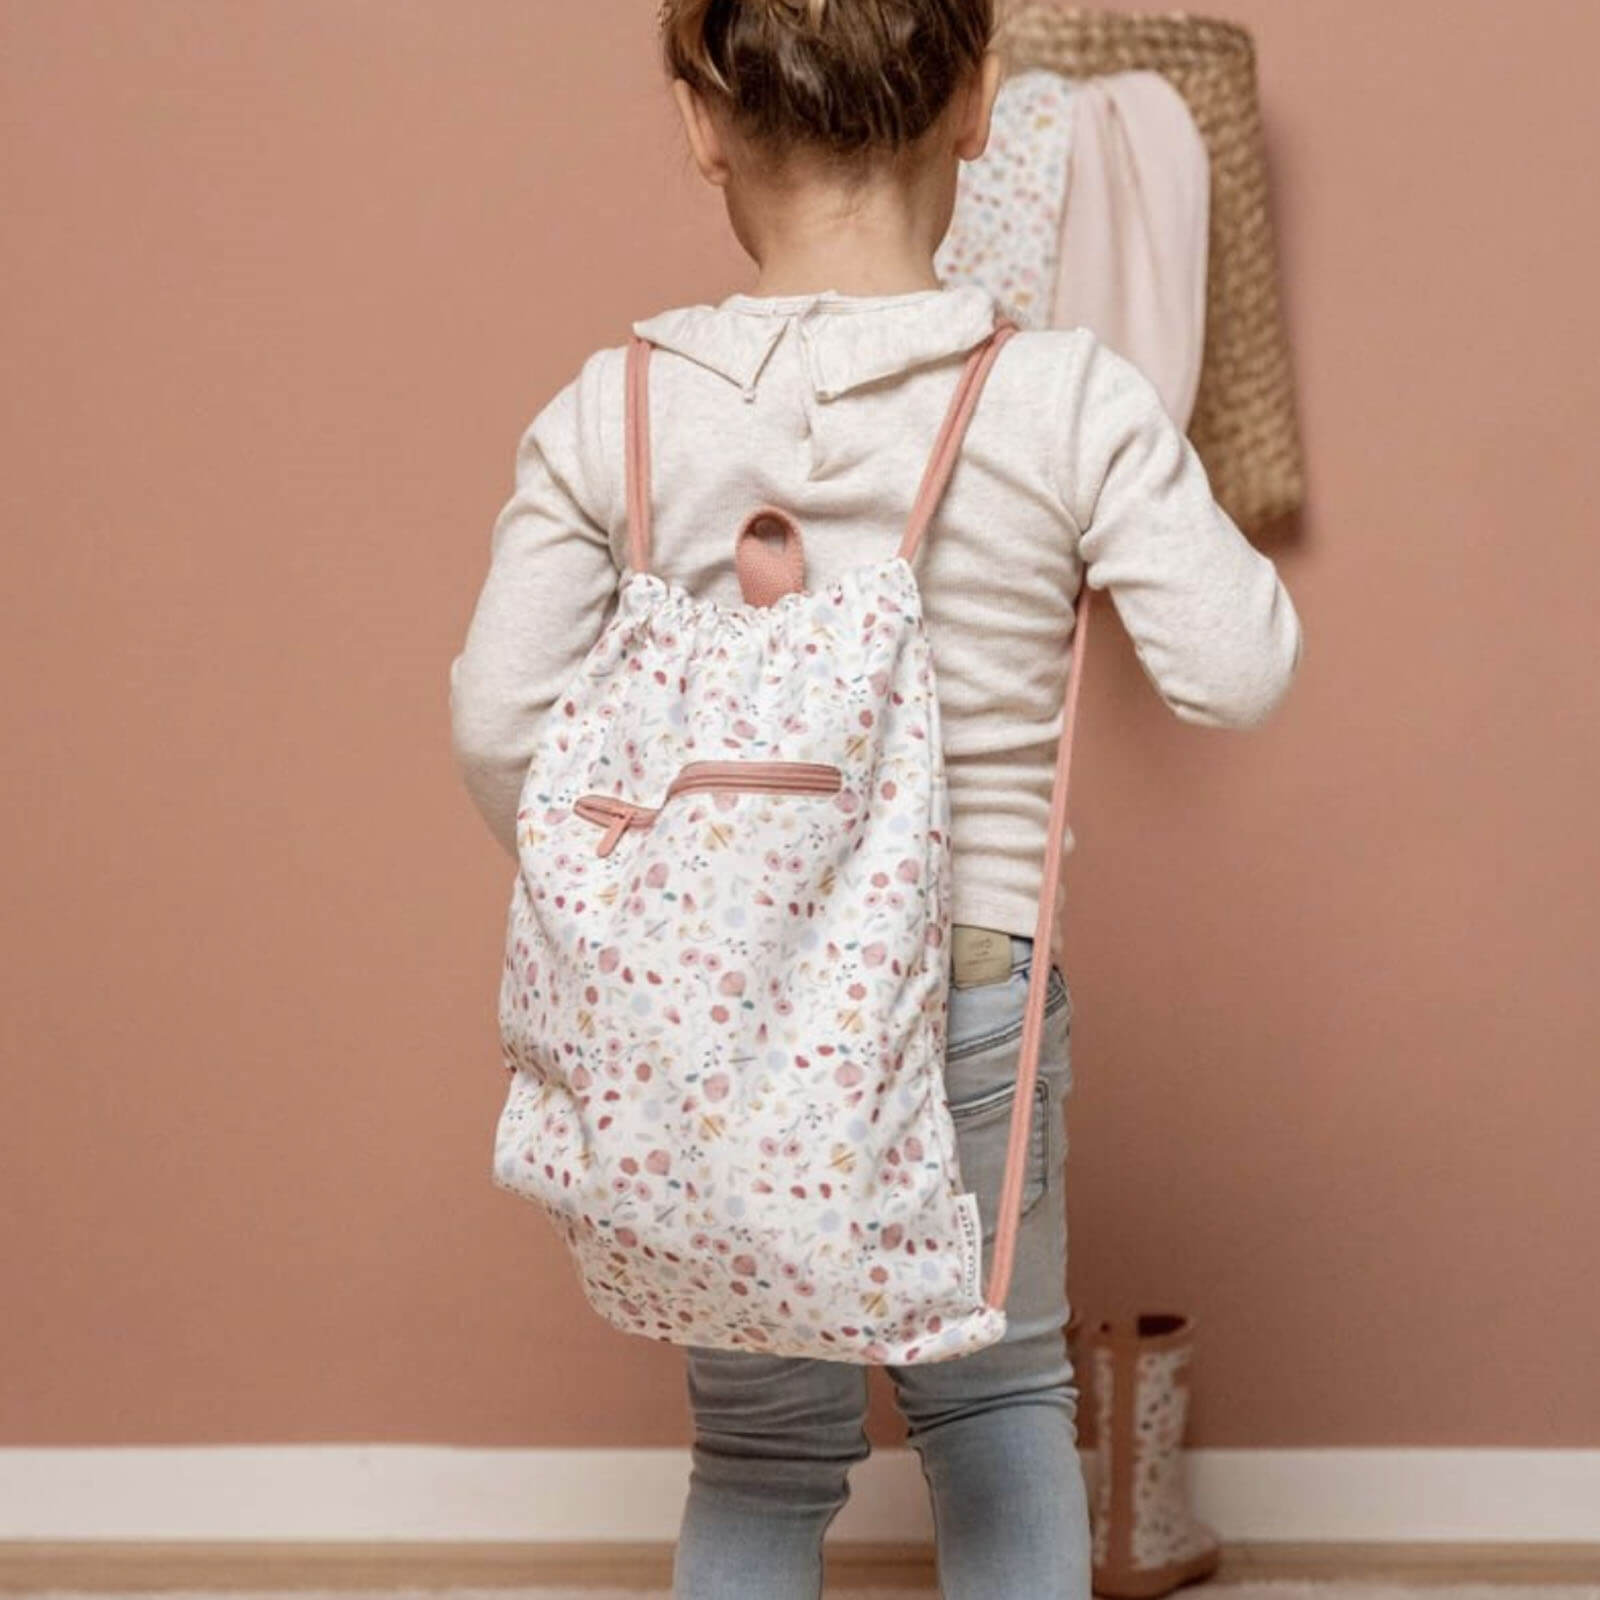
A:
(972, 1245)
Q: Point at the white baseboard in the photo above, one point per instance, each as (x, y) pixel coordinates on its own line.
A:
(342, 1492)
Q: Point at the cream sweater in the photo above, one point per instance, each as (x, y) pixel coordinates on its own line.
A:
(827, 405)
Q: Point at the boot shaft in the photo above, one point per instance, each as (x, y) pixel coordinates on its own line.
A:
(1146, 1540)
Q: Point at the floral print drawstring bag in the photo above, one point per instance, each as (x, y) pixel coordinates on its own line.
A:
(723, 1001)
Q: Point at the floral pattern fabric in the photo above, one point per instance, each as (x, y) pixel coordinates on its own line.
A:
(725, 1029)
(1005, 231)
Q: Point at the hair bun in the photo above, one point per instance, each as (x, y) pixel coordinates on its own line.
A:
(846, 80)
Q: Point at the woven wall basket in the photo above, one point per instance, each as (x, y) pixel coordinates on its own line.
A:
(1244, 426)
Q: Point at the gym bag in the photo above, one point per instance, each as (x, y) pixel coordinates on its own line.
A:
(724, 994)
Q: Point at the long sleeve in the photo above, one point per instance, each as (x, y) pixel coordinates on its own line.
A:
(1210, 619)
(550, 588)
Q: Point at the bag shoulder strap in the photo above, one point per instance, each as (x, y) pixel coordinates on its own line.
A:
(947, 445)
(637, 451)
(1017, 1153)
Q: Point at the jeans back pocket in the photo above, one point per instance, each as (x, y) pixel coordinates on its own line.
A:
(983, 1130)
(982, 1057)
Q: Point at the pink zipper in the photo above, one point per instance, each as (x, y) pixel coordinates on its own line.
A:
(617, 815)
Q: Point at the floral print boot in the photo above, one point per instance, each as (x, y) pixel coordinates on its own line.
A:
(1147, 1542)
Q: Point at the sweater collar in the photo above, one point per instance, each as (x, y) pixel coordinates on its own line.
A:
(847, 340)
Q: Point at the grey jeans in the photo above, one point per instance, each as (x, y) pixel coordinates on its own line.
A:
(995, 1432)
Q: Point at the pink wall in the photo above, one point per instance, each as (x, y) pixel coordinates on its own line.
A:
(283, 284)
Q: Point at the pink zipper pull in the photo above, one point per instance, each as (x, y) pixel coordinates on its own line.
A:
(616, 829)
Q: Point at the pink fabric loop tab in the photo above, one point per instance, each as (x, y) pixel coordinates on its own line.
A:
(947, 446)
(769, 570)
(638, 454)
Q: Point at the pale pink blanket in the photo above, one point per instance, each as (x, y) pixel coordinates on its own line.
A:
(1091, 207)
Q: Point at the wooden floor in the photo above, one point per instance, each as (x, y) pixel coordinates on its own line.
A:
(110, 1568)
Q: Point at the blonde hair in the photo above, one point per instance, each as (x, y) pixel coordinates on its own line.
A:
(847, 80)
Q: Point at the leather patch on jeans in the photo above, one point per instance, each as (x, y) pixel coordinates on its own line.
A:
(978, 956)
